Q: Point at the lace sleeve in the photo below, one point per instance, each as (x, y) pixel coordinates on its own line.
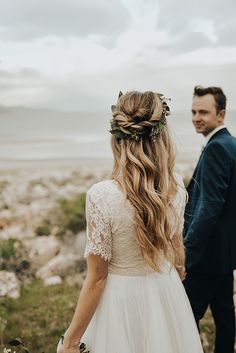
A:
(98, 230)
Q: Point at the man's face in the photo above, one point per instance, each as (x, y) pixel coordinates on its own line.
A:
(204, 115)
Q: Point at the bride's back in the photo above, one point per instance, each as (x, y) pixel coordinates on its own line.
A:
(116, 229)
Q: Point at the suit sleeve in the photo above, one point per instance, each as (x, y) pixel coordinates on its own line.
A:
(214, 182)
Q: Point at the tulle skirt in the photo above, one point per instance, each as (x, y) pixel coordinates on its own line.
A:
(143, 314)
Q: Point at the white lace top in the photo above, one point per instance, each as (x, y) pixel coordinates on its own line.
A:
(110, 228)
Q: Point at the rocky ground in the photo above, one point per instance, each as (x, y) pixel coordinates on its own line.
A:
(42, 240)
(35, 236)
(32, 244)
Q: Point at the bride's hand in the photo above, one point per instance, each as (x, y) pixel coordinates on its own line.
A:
(66, 347)
(181, 271)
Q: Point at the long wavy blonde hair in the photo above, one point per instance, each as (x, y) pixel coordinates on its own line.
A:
(144, 169)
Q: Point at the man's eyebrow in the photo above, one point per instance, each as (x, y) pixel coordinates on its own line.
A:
(200, 110)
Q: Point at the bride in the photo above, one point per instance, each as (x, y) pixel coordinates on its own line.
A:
(133, 300)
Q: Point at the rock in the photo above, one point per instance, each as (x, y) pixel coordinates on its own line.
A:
(50, 281)
(68, 189)
(39, 192)
(12, 232)
(80, 243)
(9, 285)
(75, 244)
(5, 218)
(17, 233)
(42, 249)
(4, 223)
(61, 265)
(40, 207)
(6, 213)
(76, 280)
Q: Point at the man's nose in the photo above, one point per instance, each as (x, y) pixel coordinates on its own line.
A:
(196, 117)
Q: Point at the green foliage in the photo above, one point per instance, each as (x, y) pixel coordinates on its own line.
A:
(40, 316)
(13, 257)
(9, 248)
(43, 229)
(73, 213)
(69, 214)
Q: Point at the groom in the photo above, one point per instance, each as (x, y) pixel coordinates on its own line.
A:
(210, 219)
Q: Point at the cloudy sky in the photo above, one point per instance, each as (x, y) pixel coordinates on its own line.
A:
(78, 54)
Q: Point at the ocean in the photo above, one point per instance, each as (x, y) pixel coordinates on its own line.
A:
(48, 135)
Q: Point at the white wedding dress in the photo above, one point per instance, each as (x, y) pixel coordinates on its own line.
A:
(141, 311)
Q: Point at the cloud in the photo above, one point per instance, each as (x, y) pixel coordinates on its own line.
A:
(206, 56)
(226, 32)
(27, 19)
(78, 54)
(206, 17)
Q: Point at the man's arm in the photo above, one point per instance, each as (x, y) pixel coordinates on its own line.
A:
(214, 183)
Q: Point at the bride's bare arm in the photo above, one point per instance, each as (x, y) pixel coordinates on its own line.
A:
(88, 300)
(177, 243)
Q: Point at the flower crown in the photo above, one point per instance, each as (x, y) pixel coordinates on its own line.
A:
(121, 133)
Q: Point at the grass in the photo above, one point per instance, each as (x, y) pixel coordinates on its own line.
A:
(9, 247)
(68, 214)
(73, 211)
(39, 316)
(12, 255)
(207, 332)
(42, 314)
(43, 229)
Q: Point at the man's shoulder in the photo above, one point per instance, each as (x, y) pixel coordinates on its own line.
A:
(223, 135)
(223, 141)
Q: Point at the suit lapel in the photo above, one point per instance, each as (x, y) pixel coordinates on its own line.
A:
(223, 131)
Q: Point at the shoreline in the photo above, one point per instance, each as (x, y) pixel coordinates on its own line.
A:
(72, 163)
(184, 165)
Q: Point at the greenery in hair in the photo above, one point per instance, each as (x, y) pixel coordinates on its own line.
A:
(121, 133)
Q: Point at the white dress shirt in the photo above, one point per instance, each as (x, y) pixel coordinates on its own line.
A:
(209, 136)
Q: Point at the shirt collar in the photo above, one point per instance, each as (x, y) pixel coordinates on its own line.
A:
(209, 136)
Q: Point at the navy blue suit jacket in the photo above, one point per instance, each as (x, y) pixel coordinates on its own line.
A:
(210, 215)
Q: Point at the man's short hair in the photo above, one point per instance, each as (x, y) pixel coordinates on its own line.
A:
(217, 93)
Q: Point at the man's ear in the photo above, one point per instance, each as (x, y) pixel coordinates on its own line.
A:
(221, 116)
